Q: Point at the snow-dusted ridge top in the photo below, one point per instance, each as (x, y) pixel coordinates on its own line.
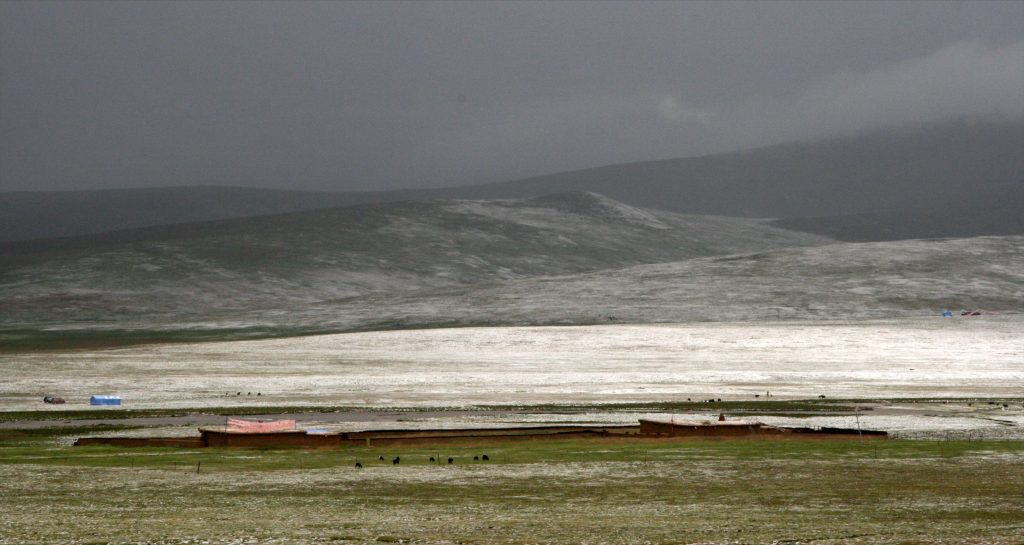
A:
(590, 203)
(550, 211)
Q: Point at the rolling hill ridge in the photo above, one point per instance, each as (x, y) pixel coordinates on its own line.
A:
(191, 272)
(904, 178)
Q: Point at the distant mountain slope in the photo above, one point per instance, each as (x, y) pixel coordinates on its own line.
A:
(192, 272)
(937, 167)
(1003, 216)
(28, 215)
(926, 171)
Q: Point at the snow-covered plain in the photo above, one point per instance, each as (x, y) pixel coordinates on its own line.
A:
(952, 357)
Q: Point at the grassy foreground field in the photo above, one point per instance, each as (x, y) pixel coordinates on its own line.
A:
(594, 491)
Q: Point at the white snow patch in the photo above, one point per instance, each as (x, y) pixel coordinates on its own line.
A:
(602, 364)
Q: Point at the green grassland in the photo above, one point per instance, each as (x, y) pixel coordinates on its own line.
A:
(582, 491)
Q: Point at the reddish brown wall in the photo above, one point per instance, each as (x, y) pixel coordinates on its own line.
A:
(215, 438)
(484, 432)
(836, 433)
(651, 427)
(648, 429)
(469, 439)
(180, 442)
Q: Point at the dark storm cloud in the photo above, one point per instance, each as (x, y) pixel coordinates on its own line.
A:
(382, 95)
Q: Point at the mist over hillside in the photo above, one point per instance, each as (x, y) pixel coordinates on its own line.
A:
(26, 215)
(216, 270)
(905, 178)
(1004, 215)
(937, 166)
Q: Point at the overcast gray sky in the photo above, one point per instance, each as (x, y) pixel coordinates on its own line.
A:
(382, 95)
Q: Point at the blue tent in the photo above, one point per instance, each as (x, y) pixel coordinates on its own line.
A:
(947, 314)
(105, 400)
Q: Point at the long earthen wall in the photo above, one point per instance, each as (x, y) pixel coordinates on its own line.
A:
(653, 428)
(180, 442)
(647, 430)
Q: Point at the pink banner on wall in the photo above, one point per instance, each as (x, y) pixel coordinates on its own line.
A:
(237, 424)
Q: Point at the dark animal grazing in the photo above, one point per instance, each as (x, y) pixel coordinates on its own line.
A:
(486, 457)
(451, 460)
(396, 460)
(359, 466)
(477, 458)
(381, 458)
(431, 458)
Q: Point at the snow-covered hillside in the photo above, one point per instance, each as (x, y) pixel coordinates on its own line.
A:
(224, 271)
(839, 281)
